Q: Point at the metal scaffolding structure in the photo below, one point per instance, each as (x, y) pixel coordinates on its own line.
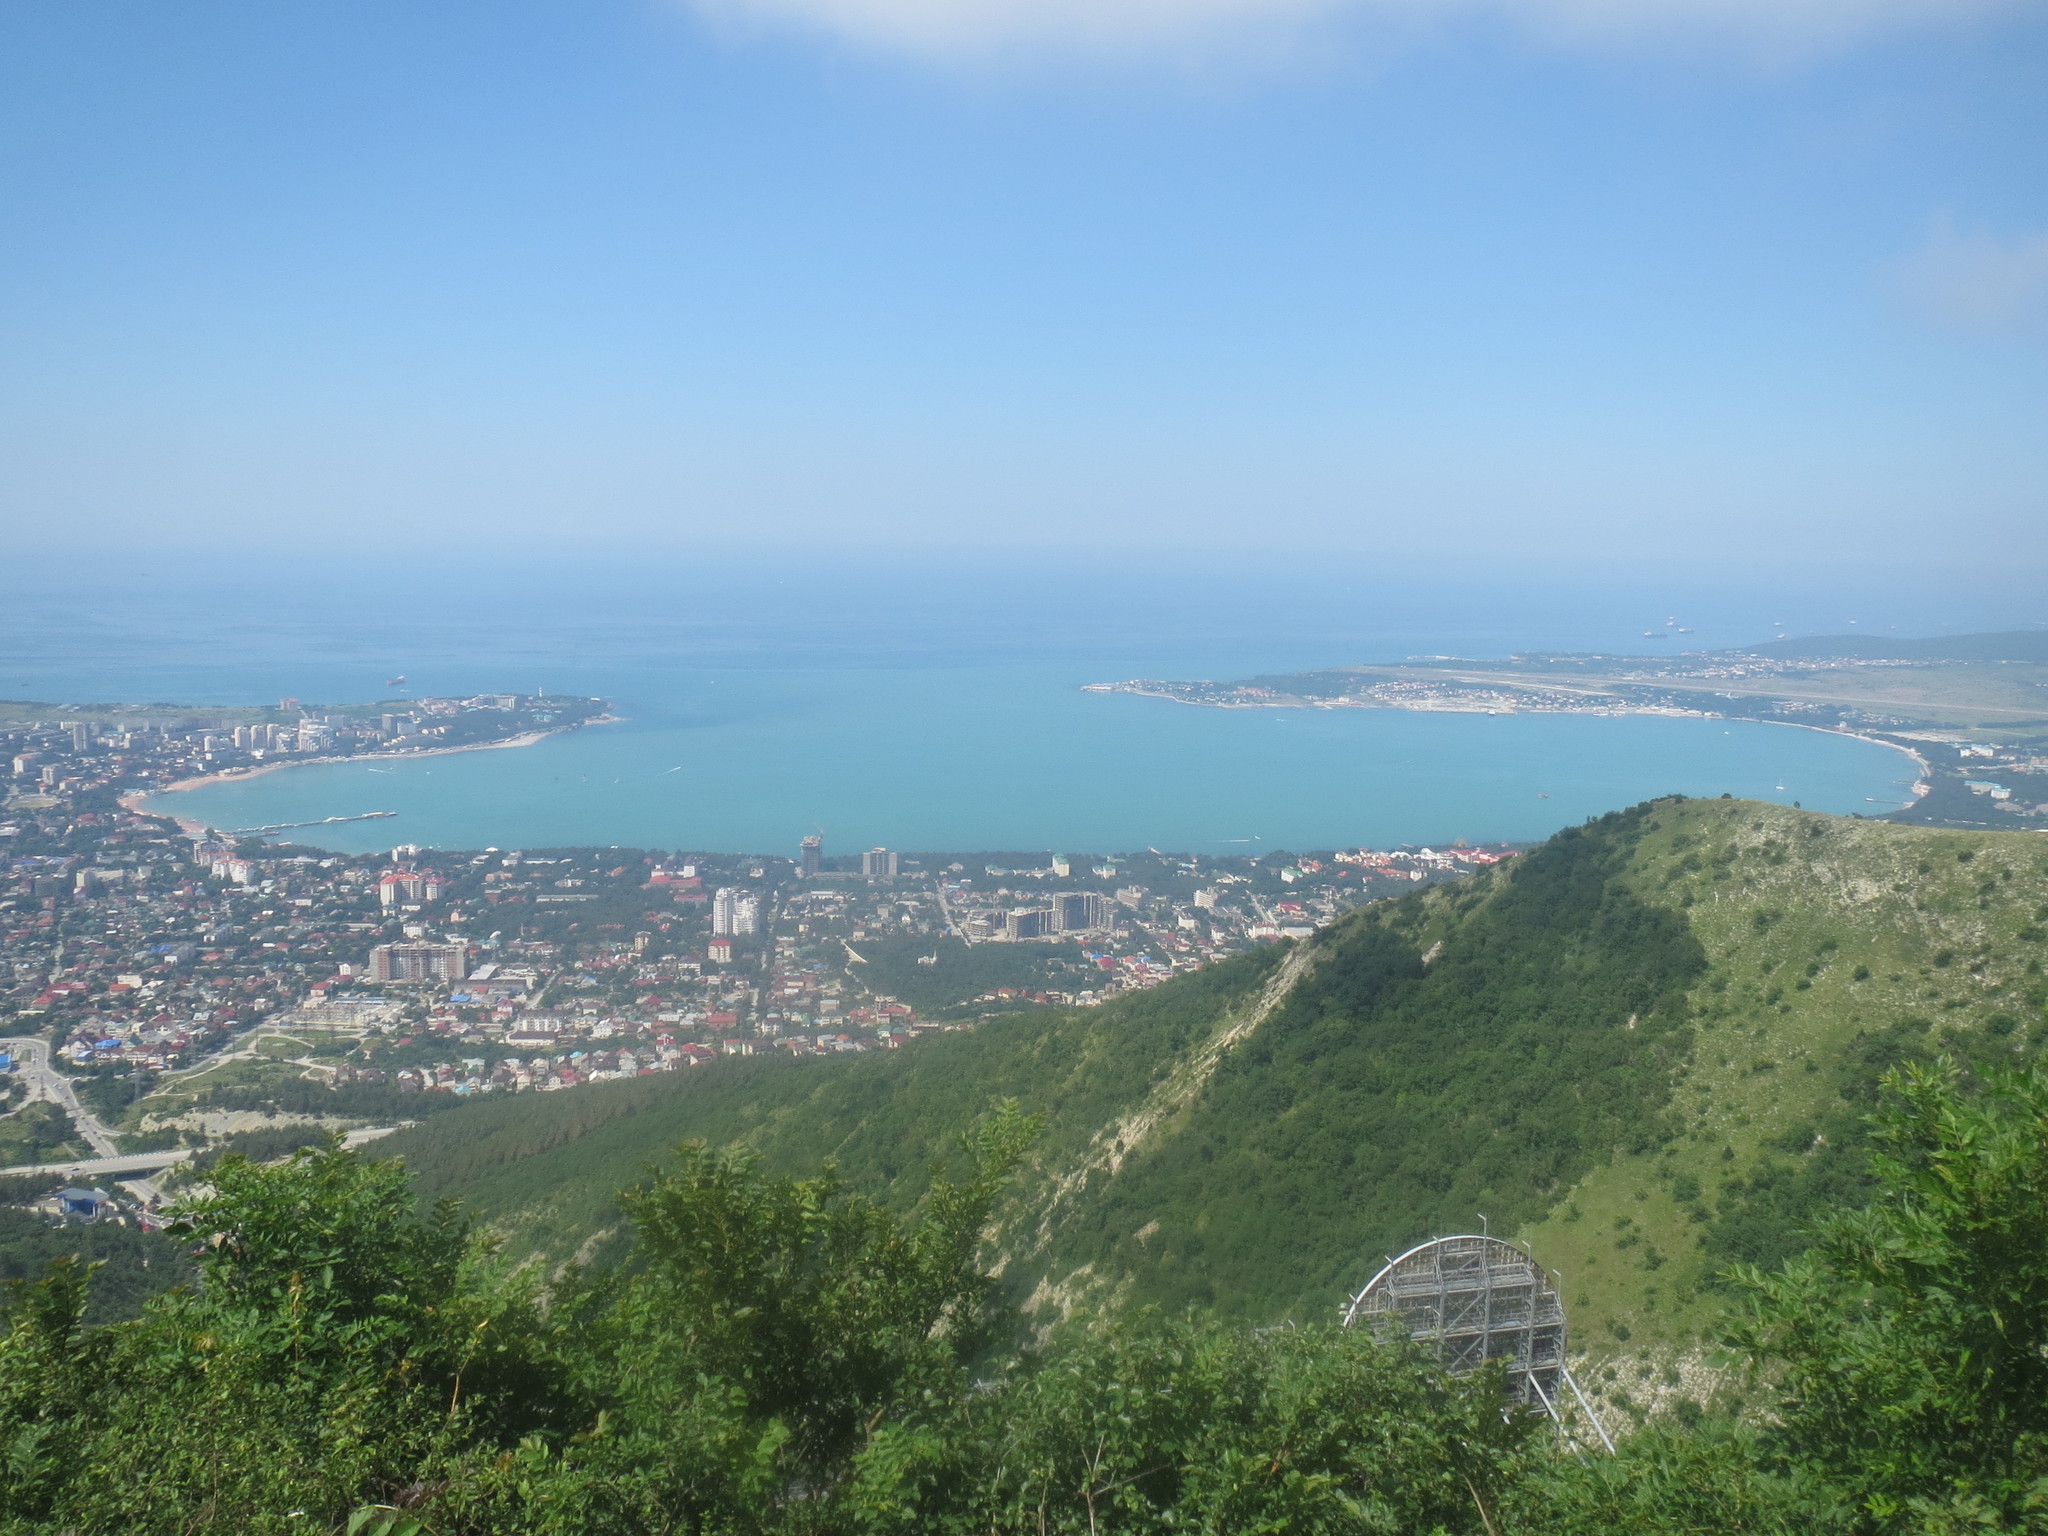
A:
(1475, 1300)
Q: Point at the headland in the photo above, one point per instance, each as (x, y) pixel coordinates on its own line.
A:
(1955, 706)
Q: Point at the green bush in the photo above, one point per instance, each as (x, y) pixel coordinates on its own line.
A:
(781, 1356)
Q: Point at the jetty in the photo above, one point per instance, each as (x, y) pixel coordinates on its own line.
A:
(324, 821)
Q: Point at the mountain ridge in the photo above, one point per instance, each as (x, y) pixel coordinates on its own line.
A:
(1991, 645)
(1644, 1046)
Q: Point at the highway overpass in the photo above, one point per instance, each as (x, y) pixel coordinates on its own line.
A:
(122, 1167)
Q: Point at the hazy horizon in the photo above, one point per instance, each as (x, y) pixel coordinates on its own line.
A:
(330, 627)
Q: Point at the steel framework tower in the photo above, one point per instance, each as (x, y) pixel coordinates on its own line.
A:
(1475, 1300)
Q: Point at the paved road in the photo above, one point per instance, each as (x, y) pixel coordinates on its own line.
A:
(957, 929)
(153, 1162)
(93, 1167)
(32, 1061)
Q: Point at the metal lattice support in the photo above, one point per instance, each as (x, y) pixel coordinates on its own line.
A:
(1476, 1300)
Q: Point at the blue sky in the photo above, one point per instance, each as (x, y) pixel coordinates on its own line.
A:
(1698, 281)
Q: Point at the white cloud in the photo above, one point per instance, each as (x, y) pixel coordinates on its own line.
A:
(964, 29)
(971, 29)
(1977, 281)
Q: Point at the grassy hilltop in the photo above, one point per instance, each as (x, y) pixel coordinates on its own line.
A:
(1646, 1048)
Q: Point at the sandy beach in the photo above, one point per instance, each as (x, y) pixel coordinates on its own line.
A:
(136, 800)
(1433, 706)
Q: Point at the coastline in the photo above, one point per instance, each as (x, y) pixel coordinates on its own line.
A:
(1924, 770)
(135, 800)
(1296, 701)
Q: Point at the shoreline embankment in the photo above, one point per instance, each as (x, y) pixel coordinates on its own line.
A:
(136, 801)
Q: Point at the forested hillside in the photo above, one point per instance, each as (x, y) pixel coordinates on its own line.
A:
(1645, 1047)
(1659, 1047)
(547, 1169)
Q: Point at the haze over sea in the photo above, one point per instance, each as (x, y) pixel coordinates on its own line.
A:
(936, 707)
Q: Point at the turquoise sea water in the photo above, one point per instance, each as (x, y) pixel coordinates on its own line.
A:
(1019, 758)
(920, 709)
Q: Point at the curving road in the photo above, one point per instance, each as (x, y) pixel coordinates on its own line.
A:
(32, 1061)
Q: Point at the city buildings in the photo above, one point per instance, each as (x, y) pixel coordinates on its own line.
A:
(1024, 923)
(735, 912)
(405, 886)
(810, 856)
(1079, 912)
(1069, 914)
(129, 943)
(419, 962)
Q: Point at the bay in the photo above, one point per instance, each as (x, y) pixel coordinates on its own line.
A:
(926, 706)
(1019, 758)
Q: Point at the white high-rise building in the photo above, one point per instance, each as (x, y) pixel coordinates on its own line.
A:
(734, 913)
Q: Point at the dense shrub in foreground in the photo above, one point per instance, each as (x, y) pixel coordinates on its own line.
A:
(779, 1357)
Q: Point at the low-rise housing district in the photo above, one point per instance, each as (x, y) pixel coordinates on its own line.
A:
(192, 986)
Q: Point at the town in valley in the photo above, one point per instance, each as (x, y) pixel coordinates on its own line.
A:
(173, 991)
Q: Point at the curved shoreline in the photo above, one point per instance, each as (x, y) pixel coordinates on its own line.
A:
(1574, 754)
(1925, 769)
(136, 801)
(1919, 762)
